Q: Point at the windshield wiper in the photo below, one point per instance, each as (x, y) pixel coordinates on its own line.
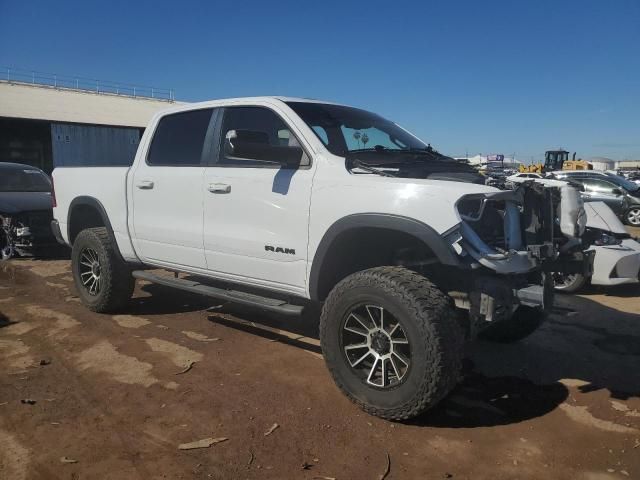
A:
(368, 168)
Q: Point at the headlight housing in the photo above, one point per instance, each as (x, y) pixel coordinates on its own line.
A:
(606, 239)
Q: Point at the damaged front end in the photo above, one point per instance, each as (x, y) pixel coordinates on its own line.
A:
(511, 241)
(21, 233)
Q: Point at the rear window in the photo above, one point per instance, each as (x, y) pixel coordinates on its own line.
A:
(23, 180)
(179, 139)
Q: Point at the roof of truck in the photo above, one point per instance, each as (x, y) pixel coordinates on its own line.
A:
(271, 97)
(239, 100)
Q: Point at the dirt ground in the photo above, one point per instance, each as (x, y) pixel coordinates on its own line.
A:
(113, 398)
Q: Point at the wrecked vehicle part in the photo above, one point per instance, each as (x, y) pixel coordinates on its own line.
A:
(6, 238)
(616, 256)
(25, 209)
(512, 239)
(531, 221)
(24, 233)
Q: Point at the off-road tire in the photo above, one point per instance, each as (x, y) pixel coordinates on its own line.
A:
(429, 320)
(523, 323)
(117, 284)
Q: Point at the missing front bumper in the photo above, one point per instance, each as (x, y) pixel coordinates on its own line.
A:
(515, 232)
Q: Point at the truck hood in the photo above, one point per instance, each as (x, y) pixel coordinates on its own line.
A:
(17, 202)
(426, 200)
(444, 188)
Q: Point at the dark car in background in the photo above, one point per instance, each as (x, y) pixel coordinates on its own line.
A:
(620, 194)
(25, 210)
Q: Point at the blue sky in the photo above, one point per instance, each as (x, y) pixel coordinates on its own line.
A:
(477, 76)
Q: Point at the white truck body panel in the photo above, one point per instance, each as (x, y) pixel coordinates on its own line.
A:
(166, 219)
(264, 206)
(338, 193)
(108, 184)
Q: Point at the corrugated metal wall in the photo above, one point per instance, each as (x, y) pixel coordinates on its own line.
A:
(87, 145)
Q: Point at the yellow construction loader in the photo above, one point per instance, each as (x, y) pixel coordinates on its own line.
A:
(556, 160)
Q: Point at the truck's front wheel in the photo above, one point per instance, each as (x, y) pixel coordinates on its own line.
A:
(391, 341)
(103, 281)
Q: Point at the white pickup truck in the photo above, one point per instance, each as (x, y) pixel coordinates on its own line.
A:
(278, 202)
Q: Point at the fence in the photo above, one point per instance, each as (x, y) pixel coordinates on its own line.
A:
(33, 77)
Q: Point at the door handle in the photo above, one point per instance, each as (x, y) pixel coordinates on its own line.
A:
(219, 188)
(145, 185)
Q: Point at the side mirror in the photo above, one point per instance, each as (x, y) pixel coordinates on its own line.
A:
(617, 191)
(254, 145)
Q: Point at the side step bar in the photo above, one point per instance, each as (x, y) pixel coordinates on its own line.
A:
(265, 303)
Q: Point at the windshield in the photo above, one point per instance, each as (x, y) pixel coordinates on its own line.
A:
(623, 182)
(347, 129)
(23, 180)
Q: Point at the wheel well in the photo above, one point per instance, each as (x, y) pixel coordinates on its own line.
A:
(367, 247)
(82, 217)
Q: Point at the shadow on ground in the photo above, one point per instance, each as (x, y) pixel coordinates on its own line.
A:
(481, 401)
(5, 321)
(166, 301)
(593, 345)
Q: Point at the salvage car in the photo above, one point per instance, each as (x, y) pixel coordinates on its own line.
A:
(277, 203)
(620, 194)
(616, 254)
(25, 210)
(516, 179)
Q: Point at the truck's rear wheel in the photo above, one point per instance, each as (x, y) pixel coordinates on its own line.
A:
(391, 341)
(523, 323)
(103, 281)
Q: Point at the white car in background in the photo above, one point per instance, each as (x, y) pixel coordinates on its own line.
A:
(523, 177)
(617, 254)
(513, 181)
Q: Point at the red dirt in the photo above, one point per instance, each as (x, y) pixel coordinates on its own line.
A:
(564, 403)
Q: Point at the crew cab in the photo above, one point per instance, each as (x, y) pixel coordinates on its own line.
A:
(277, 203)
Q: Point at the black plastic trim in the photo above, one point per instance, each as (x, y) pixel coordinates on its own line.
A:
(411, 226)
(95, 203)
(55, 229)
(265, 303)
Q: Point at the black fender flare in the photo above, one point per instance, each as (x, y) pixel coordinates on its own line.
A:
(411, 226)
(93, 202)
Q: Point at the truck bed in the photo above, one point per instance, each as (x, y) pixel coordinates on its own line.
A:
(108, 185)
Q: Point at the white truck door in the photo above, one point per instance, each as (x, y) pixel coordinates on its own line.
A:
(167, 192)
(256, 210)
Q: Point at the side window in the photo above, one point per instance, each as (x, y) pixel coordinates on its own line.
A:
(258, 137)
(599, 186)
(322, 133)
(575, 180)
(179, 139)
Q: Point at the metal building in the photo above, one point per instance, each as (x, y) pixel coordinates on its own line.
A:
(47, 120)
